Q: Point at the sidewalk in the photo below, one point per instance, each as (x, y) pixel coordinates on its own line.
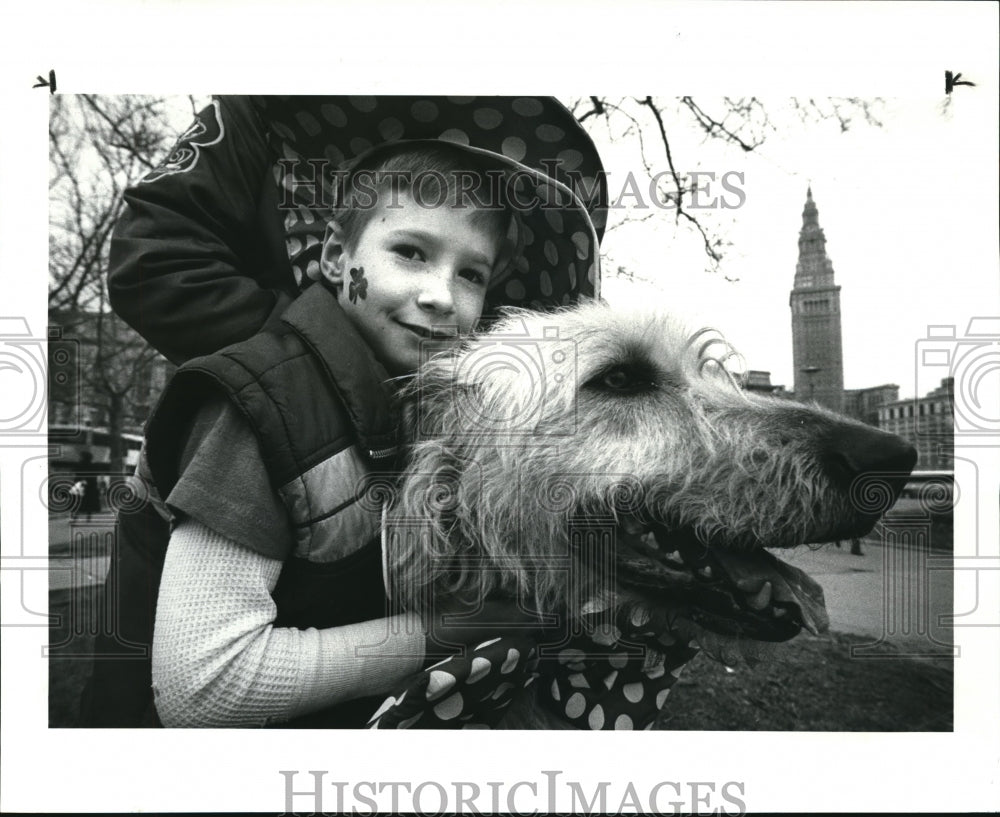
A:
(79, 551)
(892, 593)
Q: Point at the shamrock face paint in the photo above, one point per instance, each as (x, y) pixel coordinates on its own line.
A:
(359, 285)
(416, 276)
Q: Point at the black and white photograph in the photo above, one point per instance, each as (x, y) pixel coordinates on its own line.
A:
(475, 402)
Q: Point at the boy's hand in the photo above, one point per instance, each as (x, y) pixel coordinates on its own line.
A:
(463, 692)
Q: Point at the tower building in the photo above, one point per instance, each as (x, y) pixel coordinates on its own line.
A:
(817, 350)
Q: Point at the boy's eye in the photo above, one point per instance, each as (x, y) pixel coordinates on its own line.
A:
(410, 252)
(474, 275)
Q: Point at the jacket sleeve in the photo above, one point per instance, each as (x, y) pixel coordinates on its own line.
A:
(198, 258)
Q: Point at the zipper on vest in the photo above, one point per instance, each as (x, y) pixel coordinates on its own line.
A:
(383, 453)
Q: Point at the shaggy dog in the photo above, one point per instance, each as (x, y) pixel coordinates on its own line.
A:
(598, 459)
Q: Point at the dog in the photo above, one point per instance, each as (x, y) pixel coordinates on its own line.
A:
(600, 459)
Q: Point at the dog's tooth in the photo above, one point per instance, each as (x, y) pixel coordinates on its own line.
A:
(705, 572)
(780, 612)
(760, 599)
(675, 556)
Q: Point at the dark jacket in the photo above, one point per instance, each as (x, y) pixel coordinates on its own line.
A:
(199, 257)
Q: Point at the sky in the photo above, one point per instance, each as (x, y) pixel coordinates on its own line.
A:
(909, 211)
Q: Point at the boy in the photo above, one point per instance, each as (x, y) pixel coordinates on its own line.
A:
(272, 581)
(227, 231)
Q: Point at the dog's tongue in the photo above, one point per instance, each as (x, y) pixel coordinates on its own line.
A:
(789, 585)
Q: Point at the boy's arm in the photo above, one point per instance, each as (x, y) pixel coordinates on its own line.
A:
(198, 258)
(218, 660)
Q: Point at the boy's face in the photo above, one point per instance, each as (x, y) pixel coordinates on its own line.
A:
(416, 275)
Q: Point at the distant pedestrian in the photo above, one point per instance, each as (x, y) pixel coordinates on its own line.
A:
(855, 547)
(86, 486)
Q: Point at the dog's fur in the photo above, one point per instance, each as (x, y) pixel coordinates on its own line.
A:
(626, 420)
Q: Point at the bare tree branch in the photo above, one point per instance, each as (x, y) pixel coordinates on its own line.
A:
(140, 143)
(596, 110)
(714, 127)
(711, 245)
(743, 122)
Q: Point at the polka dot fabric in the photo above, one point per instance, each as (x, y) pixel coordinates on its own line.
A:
(463, 692)
(560, 261)
(618, 676)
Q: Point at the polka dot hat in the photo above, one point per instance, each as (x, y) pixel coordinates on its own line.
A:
(561, 191)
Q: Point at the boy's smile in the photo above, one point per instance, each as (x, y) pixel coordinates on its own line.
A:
(415, 276)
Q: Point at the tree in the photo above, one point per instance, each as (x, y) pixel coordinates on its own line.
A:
(655, 124)
(97, 147)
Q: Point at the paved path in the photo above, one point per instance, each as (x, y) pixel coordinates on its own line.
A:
(892, 593)
(79, 551)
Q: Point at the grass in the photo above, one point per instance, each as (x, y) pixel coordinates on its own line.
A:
(814, 684)
(69, 671)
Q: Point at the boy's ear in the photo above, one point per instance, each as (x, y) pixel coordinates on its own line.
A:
(331, 261)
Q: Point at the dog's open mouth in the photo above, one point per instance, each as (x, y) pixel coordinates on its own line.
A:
(747, 594)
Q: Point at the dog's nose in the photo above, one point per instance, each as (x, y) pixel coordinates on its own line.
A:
(859, 451)
(868, 450)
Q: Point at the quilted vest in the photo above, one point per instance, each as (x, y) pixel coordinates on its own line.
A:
(316, 400)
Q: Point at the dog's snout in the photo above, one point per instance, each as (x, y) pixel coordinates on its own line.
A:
(861, 451)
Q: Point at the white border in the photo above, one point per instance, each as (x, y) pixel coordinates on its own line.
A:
(897, 49)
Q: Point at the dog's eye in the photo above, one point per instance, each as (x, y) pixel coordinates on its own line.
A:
(625, 379)
(617, 379)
